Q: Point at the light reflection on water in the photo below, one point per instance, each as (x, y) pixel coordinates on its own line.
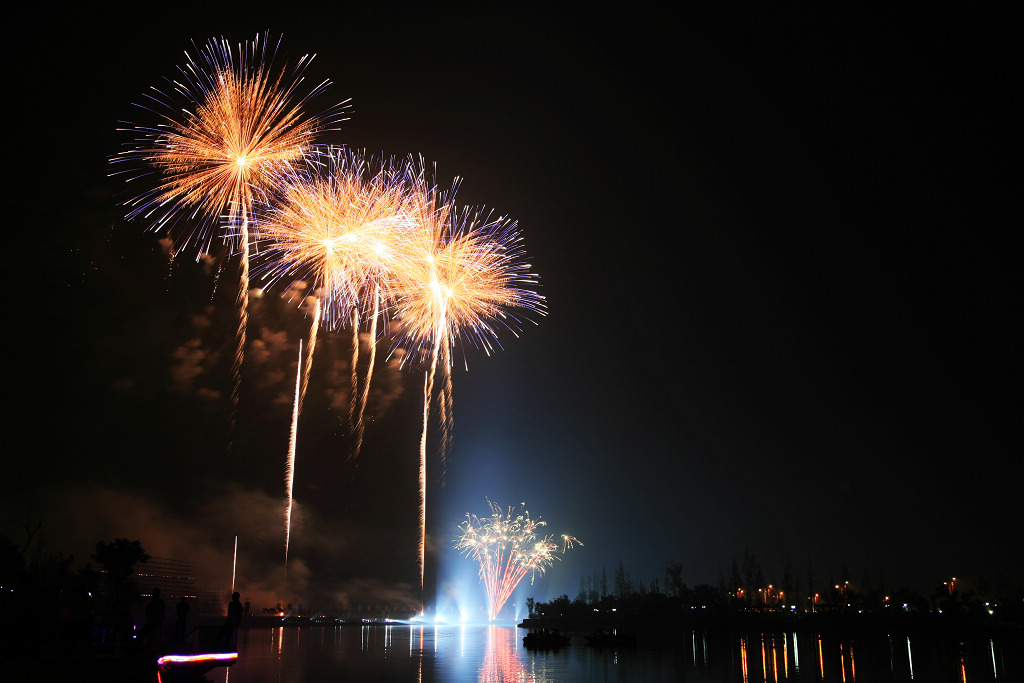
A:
(494, 654)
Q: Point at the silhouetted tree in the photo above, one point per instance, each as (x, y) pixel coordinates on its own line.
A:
(735, 578)
(810, 580)
(788, 586)
(866, 586)
(119, 558)
(12, 565)
(560, 606)
(752, 574)
(674, 585)
(623, 585)
(706, 595)
(31, 525)
(12, 594)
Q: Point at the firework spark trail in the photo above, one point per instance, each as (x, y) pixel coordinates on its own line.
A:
(340, 222)
(290, 466)
(171, 254)
(332, 222)
(353, 398)
(428, 388)
(446, 410)
(500, 661)
(303, 371)
(313, 330)
(232, 132)
(507, 549)
(216, 280)
(360, 429)
(223, 135)
(243, 321)
(463, 276)
(422, 547)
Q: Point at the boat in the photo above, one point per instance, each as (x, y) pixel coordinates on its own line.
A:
(545, 640)
(611, 639)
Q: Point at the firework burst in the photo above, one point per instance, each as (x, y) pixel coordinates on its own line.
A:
(224, 133)
(463, 277)
(230, 157)
(331, 224)
(507, 548)
(338, 224)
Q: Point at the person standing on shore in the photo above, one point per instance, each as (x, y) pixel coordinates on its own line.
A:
(232, 621)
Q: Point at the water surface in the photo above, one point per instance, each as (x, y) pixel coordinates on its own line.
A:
(494, 654)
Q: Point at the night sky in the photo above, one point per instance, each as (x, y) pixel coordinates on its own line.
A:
(778, 254)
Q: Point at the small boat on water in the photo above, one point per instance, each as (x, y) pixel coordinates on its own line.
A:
(545, 640)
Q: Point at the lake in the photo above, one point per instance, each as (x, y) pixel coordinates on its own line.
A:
(492, 654)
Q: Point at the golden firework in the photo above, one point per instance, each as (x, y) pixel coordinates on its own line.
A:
(338, 224)
(507, 548)
(228, 129)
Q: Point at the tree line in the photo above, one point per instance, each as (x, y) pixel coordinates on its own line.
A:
(48, 605)
(747, 588)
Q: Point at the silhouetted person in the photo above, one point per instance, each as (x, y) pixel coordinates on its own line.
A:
(182, 621)
(153, 628)
(231, 623)
(82, 620)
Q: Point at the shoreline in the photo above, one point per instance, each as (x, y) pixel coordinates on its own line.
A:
(837, 623)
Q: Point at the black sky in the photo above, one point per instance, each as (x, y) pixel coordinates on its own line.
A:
(779, 252)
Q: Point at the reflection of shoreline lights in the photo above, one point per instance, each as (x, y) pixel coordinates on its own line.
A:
(500, 660)
(507, 548)
(821, 660)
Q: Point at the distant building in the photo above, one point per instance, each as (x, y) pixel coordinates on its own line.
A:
(177, 579)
